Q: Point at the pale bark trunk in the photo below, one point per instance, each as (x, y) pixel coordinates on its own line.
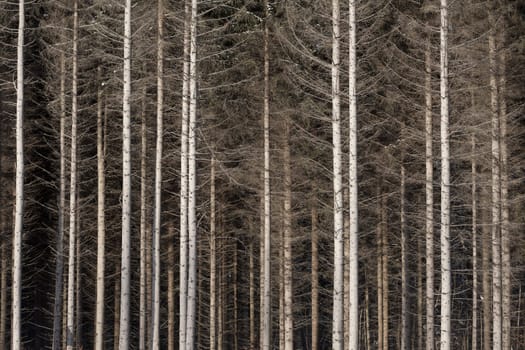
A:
(143, 225)
(155, 319)
(505, 216)
(338, 305)
(496, 204)
(261, 268)
(346, 273)
(288, 268)
(404, 277)
(429, 199)
(72, 191)
(379, 269)
(78, 285)
(183, 256)
(235, 296)
(192, 184)
(367, 316)
(486, 280)
(171, 288)
(59, 270)
(266, 310)
(445, 185)
(353, 187)
(16, 286)
(474, 249)
(315, 278)
(101, 226)
(281, 284)
(126, 186)
(419, 324)
(213, 262)
(384, 272)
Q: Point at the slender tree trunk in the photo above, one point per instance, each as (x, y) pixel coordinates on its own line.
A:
(59, 270)
(72, 190)
(143, 225)
(384, 272)
(429, 199)
(379, 259)
(496, 203)
(171, 288)
(78, 286)
(419, 325)
(261, 268)
(266, 311)
(101, 226)
(445, 185)
(338, 305)
(346, 273)
(404, 273)
(474, 249)
(367, 315)
(486, 280)
(3, 280)
(235, 296)
(126, 186)
(281, 284)
(157, 225)
(213, 262)
(315, 278)
(192, 184)
(16, 286)
(183, 288)
(288, 258)
(353, 187)
(505, 216)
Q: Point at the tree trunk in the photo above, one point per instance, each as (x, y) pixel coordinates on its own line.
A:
(379, 264)
(486, 281)
(126, 186)
(505, 216)
(445, 185)
(288, 258)
(192, 184)
(315, 277)
(59, 270)
(157, 225)
(419, 325)
(474, 249)
(183, 256)
(384, 272)
(78, 285)
(171, 288)
(266, 310)
(496, 203)
(252, 292)
(143, 227)
(404, 273)
(72, 191)
(101, 226)
(338, 305)
(429, 200)
(16, 287)
(213, 261)
(353, 189)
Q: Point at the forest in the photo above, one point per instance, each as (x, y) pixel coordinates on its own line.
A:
(262, 174)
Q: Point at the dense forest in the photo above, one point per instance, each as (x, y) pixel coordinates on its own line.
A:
(256, 174)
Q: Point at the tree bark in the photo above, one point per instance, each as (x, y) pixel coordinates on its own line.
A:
(171, 288)
(157, 225)
(59, 270)
(384, 272)
(445, 184)
(404, 273)
(505, 216)
(183, 288)
(474, 249)
(213, 262)
(486, 280)
(101, 225)
(315, 277)
(338, 304)
(266, 310)
(72, 190)
(353, 186)
(126, 186)
(429, 199)
(288, 258)
(496, 202)
(192, 184)
(143, 227)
